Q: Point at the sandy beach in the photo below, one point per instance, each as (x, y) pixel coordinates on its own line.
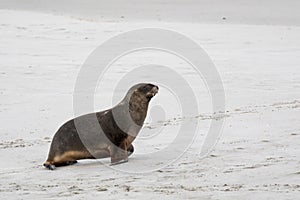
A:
(44, 45)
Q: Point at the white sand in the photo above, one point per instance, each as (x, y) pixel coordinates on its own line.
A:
(256, 157)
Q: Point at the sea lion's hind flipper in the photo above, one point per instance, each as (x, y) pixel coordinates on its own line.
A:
(71, 162)
(53, 165)
(49, 166)
(66, 163)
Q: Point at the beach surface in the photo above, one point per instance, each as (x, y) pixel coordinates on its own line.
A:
(255, 48)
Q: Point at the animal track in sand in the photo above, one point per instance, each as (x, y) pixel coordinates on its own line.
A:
(217, 116)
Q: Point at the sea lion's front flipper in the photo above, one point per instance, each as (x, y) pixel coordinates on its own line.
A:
(119, 162)
(119, 154)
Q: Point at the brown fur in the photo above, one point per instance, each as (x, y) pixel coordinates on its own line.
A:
(118, 133)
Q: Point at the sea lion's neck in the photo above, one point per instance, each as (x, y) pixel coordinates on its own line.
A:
(138, 106)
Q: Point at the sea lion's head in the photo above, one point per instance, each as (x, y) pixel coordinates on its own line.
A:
(135, 104)
(140, 96)
(147, 89)
(142, 91)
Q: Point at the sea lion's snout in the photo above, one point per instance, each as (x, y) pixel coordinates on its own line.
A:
(153, 91)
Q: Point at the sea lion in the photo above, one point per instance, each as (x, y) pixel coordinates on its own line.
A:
(83, 138)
